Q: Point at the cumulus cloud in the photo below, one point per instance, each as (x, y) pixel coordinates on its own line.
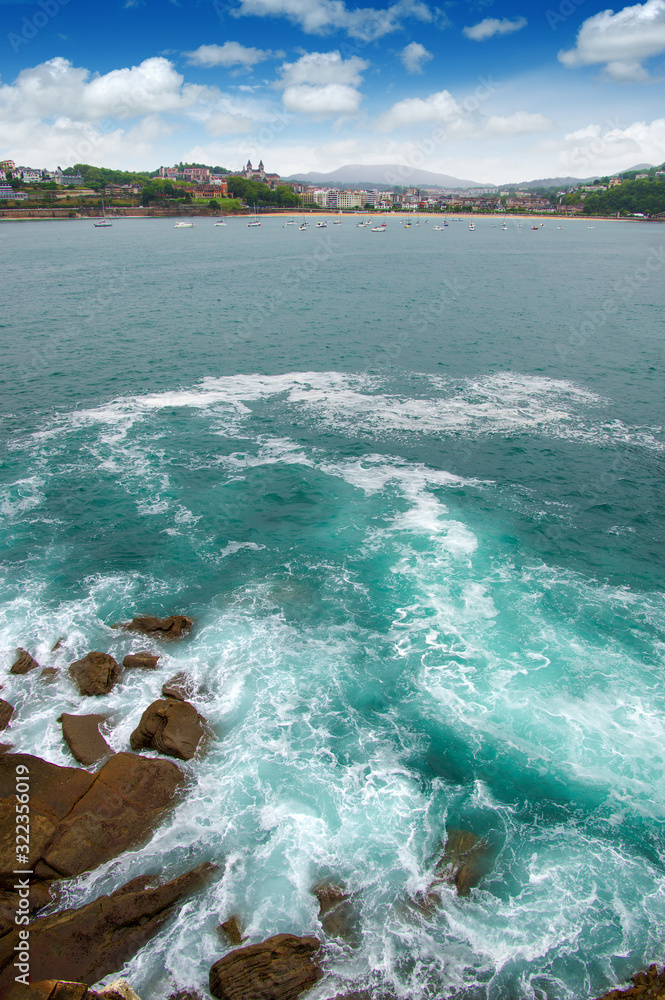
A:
(321, 16)
(229, 54)
(56, 87)
(621, 41)
(439, 107)
(493, 26)
(322, 84)
(414, 56)
(607, 148)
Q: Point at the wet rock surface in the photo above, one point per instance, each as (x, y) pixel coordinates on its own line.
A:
(6, 712)
(40, 894)
(171, 727)
(47, 989)
(337, 913)
(141, 661)
(80, 820)
(231, 931)
(95, 940)
(23, 663)
(280, 968)
(172, 627)
(82, 736)
(95, 674)
(649, 985)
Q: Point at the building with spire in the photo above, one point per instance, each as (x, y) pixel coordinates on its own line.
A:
(260, 175)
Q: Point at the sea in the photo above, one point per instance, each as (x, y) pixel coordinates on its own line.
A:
(410, 486)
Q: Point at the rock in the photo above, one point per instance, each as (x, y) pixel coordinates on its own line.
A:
(280, 968)
(47, 989)
(80, 820)
(464, 860)
(119, 989)
(170, 727)
(146, 661)
(6, 712)
(48, 674)
(95, 674)
(180, 687)
(38, 897)
(58, 644)
(82, 736)
(5, 747)
(24, 663)
(97, 939)
(172, 627)
(231, 931)
(649, 985)
(336, 913)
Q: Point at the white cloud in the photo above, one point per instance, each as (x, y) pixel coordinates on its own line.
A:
(414, 55)
(322, 84)
(320, 16)
(622, 41)
(58, 88)
(439, 107)
(519, 123)
(493, 26)
(606, 148)
(229, 54)
(224, 123)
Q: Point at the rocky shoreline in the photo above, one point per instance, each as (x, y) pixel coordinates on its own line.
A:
(80, 819)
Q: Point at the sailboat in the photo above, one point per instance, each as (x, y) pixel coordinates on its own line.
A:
(220, 221)
(257, 221)
(103, 223)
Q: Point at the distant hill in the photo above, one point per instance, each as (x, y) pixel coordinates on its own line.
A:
(386, 175)
(564, 182)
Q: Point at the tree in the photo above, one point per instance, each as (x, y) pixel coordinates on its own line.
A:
(214, 205)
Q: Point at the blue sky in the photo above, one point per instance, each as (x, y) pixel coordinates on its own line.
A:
(492, 91)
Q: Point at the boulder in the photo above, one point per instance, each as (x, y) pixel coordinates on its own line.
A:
(647, 985)
(119, 989)
(231, 931)
(180, 687)
(95, 674)
(464, 860)
(171, 727)
(172, 627)
(80, 820)
(47, 989)
(280, 968)
(146, 661)
(82, 736)
(337, 913)
(96, 940)
(23, 663)
(6, 712)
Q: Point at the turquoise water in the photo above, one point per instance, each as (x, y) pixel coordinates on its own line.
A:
(410, 486)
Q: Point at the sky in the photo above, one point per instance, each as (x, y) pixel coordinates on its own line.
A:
(491, 91)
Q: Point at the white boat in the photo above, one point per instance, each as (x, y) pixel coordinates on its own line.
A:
(256, 221)
(360, 225)
(220, 221)
(378, 229)
(321, 225)
(438, 227)
(337, 222)
(472, 227)
(304, 226)
(184, 225)
(103, 223)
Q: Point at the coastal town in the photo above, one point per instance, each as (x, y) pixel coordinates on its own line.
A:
(36, 192)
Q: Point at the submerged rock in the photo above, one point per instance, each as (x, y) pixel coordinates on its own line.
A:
(95, 940)
(23, 663)
(231, 931)
(280, 968)
(172, 627)
(6, 712)
(337, 914)
(464, 861)
(180, 687)
(48, 674)
(145, 661)
(79, 820)
(171, 727)
(82, 736)
(95, 674)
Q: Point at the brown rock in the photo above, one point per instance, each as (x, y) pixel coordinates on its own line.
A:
(5, 747)
(48, 674)
(146, 661)
(230, 930)
(47, 989)
(180, 687)
(171, 727)
(172, 627)
(24, 663)
(464, 861)
(95, 674)
(97, 939)
(280, 968)
(39, 896)
(337, 914)
(6, 712)
(119, 989)
(79, 820)
(82, 736)
(58, 644)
